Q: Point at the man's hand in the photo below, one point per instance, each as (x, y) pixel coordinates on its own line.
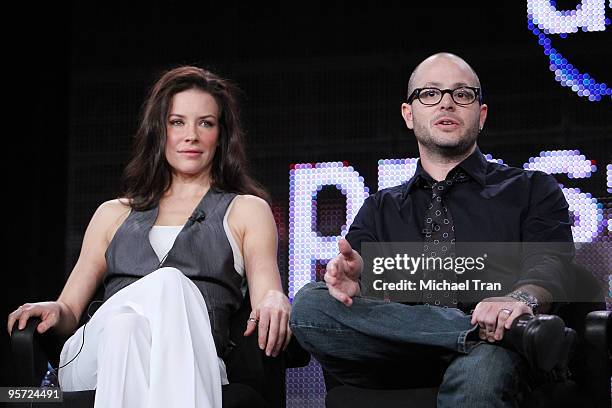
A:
(494, 315)
(342, 273)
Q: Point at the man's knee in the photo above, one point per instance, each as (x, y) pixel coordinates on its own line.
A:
(309, 303)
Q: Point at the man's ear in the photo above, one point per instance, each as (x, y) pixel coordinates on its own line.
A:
(407, 115)
(484, 109)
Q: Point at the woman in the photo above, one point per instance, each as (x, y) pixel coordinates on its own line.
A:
(172, 253)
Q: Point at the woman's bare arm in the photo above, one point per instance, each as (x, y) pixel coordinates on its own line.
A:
(253, 226)
(86, 276)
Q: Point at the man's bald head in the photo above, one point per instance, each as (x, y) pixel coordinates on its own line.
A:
(434, 59)
(445, 129)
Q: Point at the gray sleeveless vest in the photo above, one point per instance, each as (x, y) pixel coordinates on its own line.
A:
(201, 251)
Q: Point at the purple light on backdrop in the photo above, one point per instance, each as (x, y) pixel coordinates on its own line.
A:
(307, 246)
(609, 177)
(588, 213)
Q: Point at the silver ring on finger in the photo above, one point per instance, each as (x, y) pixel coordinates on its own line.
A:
(505, 310)
(252, 319)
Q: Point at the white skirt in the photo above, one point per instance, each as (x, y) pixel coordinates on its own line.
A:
(149, 345)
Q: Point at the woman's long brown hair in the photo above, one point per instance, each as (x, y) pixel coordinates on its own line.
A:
(147, 176)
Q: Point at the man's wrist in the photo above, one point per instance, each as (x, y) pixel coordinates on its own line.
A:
(526, 298)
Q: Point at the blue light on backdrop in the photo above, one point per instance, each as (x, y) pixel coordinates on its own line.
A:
(544, 19)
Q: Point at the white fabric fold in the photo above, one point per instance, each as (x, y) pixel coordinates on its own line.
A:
(150, 345)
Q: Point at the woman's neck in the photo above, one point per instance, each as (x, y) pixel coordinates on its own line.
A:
(188, 187)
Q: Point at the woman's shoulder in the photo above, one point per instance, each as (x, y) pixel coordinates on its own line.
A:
(112, 213)
(248, 208)
(248, 203)
(109, 216)
(115, 206)
(250, 214)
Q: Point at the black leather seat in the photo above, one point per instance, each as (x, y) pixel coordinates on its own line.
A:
(255, 379)
(588, 385)
(590, 366)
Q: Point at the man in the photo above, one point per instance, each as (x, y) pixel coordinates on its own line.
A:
(480, 352)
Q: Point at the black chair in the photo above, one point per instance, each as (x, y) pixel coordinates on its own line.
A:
(255, 379)
(587, 386)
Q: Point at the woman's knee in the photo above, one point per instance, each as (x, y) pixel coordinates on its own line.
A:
(168, 278)
(168, 273)
(123, 326)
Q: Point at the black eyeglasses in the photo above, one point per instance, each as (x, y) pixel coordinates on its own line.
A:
(464, 95)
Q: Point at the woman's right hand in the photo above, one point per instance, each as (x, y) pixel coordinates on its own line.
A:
(49, 312)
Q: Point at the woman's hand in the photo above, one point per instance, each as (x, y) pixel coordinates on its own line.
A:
(271, 318)
(49, 312)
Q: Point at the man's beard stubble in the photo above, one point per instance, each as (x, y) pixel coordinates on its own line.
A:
(459, 149)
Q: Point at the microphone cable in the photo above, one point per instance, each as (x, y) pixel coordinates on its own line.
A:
(197, 216)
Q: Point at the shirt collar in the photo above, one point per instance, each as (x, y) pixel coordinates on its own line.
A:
(475, 165)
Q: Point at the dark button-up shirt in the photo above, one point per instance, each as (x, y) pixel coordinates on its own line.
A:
(497, 204)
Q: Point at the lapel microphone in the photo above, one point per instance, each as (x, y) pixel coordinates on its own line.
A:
(197, 216)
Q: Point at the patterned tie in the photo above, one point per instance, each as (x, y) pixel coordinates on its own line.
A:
(440, 240)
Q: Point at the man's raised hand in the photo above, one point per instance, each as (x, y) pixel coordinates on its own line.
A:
(342, 273)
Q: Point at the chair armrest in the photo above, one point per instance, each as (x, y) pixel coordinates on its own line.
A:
(295, 356)
(29, 360)
(274, 389)
(598, 340)
(249, 365)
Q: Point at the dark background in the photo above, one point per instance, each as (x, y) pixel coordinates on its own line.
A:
(321, 83)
